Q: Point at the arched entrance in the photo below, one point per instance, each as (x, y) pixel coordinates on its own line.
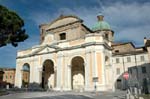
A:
(48, 75)
(78, 73)
(25, 75)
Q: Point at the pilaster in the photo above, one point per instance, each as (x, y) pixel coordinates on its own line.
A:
(59, 72)
(88, 73)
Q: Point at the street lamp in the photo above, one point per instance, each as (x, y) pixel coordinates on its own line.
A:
(124, 80)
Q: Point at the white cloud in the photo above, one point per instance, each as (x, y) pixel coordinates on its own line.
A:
(135, 34)
(127, 20)
(131, 22)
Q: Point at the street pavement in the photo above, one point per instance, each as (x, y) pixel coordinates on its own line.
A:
(65, 95)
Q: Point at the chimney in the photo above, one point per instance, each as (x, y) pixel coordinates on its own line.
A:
(100, 17)
(145, 40)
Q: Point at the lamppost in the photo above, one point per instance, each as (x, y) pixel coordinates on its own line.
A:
(137, 76)
(124, 80)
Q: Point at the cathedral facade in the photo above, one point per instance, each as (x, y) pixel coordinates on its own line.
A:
(70, 56)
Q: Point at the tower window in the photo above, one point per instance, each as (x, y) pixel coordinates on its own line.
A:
(62, 36)
(107, 60)
(106, 36)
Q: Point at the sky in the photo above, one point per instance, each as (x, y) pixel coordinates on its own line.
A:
(129, 19)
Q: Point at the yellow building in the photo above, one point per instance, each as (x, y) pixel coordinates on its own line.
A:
(8, 76)
(70, 56)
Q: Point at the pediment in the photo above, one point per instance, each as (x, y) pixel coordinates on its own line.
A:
(40, 50)
(45, 49)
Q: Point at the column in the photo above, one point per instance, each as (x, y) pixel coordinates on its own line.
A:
(66, 74)
(103, 68)
(55, 76)
(40, 70)
(87, 71)
(69, 77)
(21, 77)
(94, 64)
(18, 77)
(59, 73)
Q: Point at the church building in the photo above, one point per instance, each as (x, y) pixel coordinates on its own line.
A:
(70, 56)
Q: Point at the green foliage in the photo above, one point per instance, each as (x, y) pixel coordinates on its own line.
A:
(11, 28)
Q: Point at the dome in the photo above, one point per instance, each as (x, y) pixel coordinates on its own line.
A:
(101, 24)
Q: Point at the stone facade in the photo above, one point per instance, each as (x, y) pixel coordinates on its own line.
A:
(69, 56)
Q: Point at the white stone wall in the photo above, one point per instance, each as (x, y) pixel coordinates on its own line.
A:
(123, 65)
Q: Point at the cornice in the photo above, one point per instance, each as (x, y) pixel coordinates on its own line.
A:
(57, 49)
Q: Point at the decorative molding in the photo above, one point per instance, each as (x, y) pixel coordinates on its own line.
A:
(66, 48)
(88, 52)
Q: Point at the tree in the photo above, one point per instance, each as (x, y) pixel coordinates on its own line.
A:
(11, 28)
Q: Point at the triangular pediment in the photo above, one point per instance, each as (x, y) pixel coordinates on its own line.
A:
(38, 50)
(45, 49)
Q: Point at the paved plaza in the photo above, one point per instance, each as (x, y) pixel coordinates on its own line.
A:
(65, 95)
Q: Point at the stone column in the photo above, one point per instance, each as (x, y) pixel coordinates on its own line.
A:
(69, 77)
(104, 71)
(21, 78)
(40, 70)
(87, 76)
(55, 76)
(94, 63)
(87, 71)
(59, 73)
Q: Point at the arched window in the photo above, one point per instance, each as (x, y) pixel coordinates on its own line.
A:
(107, 60)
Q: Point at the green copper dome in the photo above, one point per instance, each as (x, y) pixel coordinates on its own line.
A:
(101, 24)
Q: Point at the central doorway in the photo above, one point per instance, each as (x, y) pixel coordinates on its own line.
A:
(48, 75)
(77, 73)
